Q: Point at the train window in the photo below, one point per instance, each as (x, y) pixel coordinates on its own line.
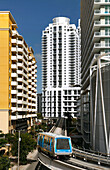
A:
(45, 141)
(48, 144)
(62, 144)
(51, 145)
(40, 140)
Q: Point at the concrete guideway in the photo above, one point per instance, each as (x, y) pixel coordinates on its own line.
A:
(56, 164)
(99, 159)
(60, 127)
(87, 165)
(72, 163)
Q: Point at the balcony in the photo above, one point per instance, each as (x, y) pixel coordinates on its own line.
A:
(29, 115)
(13, 41)
(13, 49)
(20, 57)
(19, 116)
(98, 13)
(13, 91)
(13, 58)
(19, 102)
(25, 95)
(25, 82)
(32, 83)
(34, 110)
(33, 72)
(13, 74)
(30, 63)
(14, 66)
(29, 104)
(33, 78)
(98, 46)
(20, 42)
(13, 100)
(30, 110)
(29, 80)
(35, 90)
(14, 32)
(26, 89)
(20, 50)
(33, 62)
(13, 118)
(20, 79)
(99, 35)
(20, 64)
(29, 86)
(20, 94)
(19, 87)
(29, 69)
(29, 75)
(14, 83)
(29, 92)
(98, 24)
(19, 109)
(33, 67)
(13, 109)
(33, 104)
(97, 3)
(34, 99)
(19, 71)
(34, 94)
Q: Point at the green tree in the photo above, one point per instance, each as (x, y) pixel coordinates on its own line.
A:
(27, 144)
(39, 116)
(4, 162)
(3, 142)
(9, 137)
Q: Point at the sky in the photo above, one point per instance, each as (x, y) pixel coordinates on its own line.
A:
(33, 16)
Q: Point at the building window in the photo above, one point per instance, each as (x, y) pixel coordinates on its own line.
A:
(69, 92)
(75, 92)
(65, 92)
(54, 28)
(60, 27)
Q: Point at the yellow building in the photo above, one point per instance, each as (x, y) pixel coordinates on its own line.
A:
(17, 78)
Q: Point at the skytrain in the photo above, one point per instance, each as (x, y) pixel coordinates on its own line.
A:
(54, 145)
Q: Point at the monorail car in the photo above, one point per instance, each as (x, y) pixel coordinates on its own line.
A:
(54, 145)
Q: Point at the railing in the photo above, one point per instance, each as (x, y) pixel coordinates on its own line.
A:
(91, 155)
(101, 1)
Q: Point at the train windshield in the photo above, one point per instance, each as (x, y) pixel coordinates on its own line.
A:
(62, 144)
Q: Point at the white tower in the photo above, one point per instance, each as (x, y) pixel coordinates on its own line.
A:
(61, 57)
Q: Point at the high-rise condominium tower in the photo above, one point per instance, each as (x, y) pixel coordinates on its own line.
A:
(60, 67)
(17, 78)
(95, 41)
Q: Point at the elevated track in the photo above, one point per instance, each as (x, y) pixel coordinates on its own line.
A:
(60, 127)
(72, 163)
(81, 159)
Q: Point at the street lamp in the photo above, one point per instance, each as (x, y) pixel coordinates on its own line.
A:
(19, 139)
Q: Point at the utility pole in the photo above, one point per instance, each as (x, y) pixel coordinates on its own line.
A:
(19, 139)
